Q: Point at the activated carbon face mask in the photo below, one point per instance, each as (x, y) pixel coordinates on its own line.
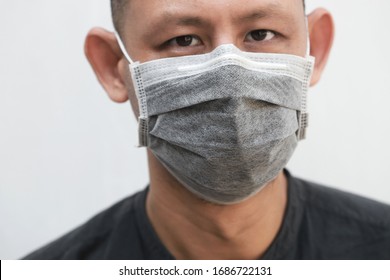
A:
(223, 123)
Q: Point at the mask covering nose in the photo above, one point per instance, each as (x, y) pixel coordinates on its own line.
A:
(224, 124)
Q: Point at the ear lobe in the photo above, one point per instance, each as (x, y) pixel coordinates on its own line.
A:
(321, 30)
(105, 56)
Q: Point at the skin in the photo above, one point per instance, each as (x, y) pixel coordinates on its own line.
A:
(189, 227)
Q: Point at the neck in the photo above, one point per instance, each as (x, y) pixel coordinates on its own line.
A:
(193, 229)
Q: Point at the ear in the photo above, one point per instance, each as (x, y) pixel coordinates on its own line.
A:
(321, 30)
(106, 59)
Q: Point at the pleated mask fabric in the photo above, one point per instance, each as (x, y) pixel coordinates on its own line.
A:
(224, 124)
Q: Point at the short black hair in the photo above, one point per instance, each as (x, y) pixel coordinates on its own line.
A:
(117, 10)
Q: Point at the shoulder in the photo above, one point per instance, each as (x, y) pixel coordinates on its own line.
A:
(89, 241)
(344, 204)
(341, 225)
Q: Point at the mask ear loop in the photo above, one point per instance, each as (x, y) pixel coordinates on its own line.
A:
(142, 119)
(123, 49)
(308, 37)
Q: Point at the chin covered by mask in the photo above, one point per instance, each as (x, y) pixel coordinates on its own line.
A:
(224, 123)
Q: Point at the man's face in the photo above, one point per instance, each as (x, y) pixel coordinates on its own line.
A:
(156, 29)
(166, 28)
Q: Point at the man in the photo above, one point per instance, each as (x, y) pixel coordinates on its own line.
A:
(220, 119)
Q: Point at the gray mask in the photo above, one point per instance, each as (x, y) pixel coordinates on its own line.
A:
(224, 123)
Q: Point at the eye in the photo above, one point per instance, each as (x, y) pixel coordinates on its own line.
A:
(260, 35)
(184, 41)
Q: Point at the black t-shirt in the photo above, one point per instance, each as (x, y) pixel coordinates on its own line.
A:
(320, 223)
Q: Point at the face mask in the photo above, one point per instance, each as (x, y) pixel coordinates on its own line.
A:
(224, 123)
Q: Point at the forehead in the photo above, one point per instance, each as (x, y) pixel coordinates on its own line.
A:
(151, 10)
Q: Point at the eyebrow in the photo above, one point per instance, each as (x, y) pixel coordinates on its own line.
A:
(271, 10)
(185, 21)
(172, 18)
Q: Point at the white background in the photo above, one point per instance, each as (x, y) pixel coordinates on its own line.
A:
(67, 151)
